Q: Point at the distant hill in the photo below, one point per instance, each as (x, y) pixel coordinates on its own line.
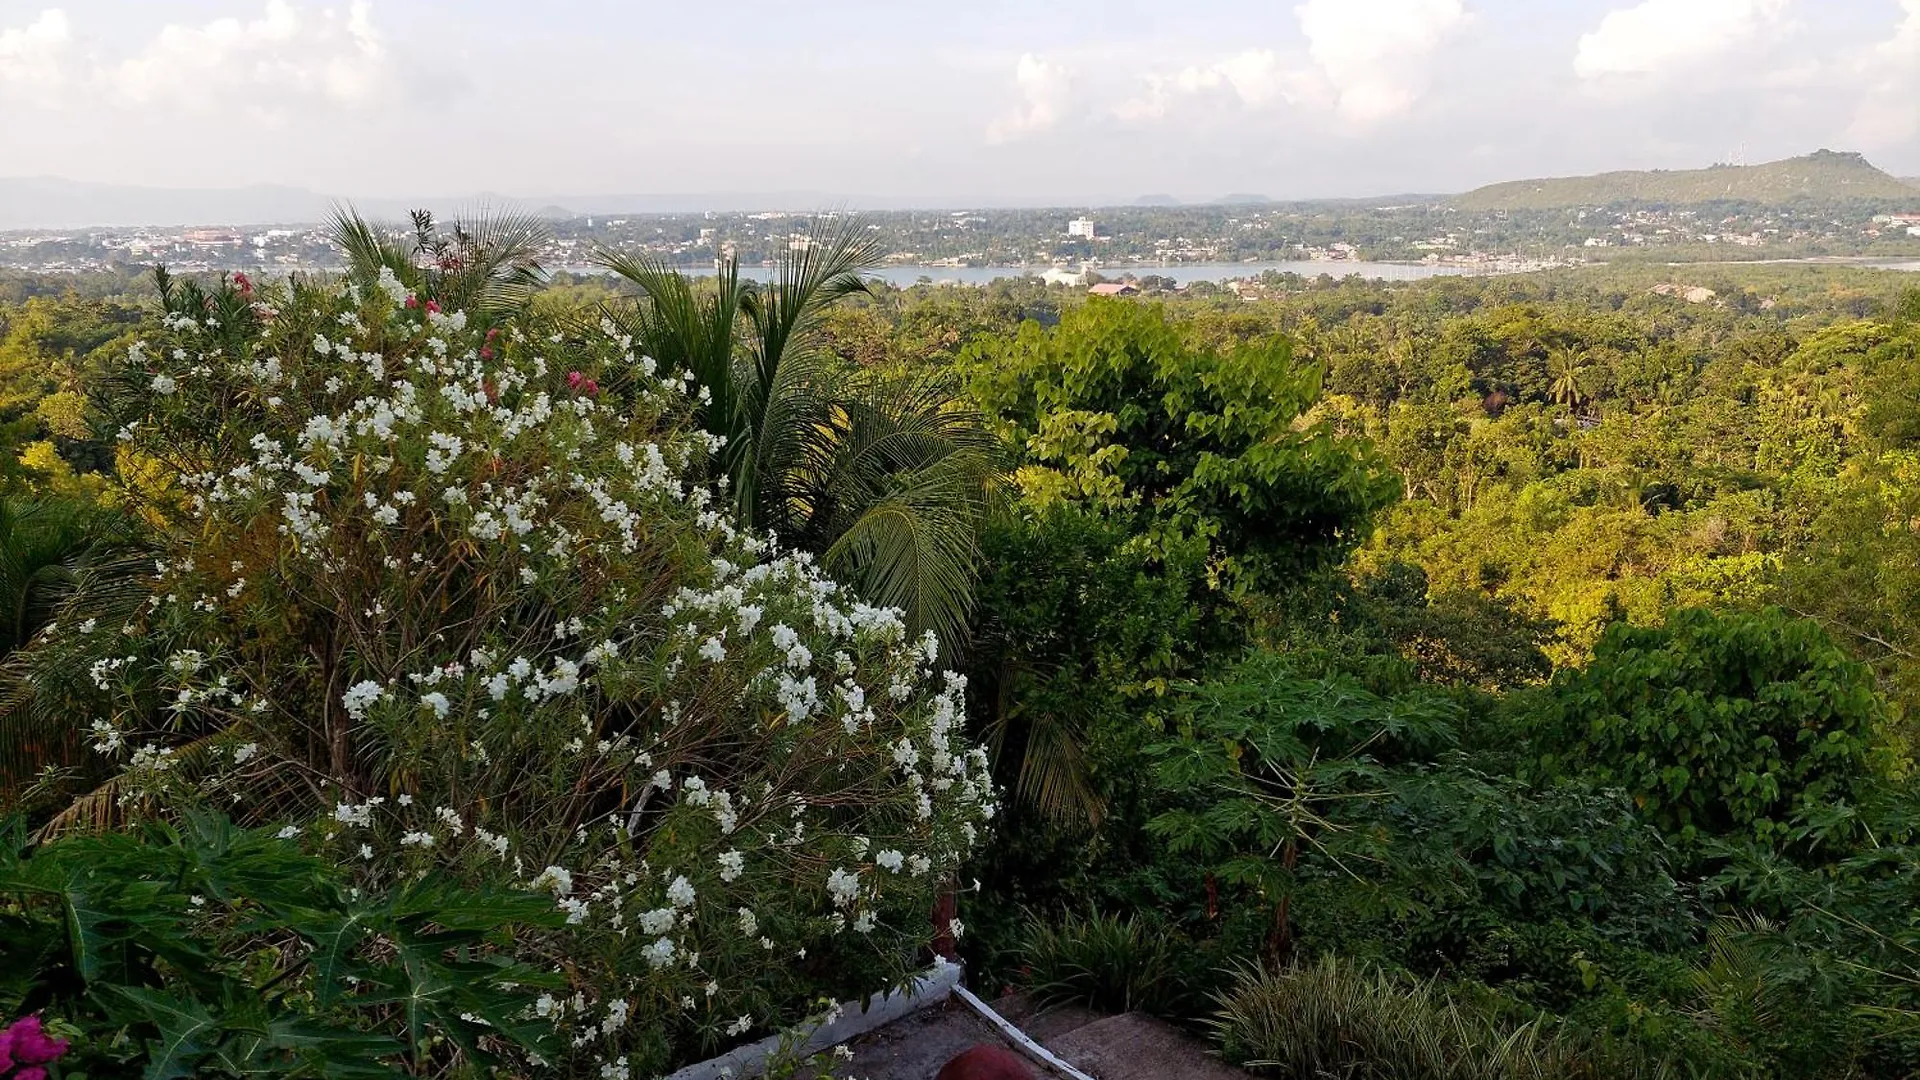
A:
(1156, 200)
(1241, 198)
(1822, 174)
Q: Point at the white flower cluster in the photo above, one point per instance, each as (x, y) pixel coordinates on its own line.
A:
(710, 756)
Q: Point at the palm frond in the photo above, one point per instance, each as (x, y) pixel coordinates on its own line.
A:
(367, 250)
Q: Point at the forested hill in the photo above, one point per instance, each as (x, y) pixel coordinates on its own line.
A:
(1824, 173)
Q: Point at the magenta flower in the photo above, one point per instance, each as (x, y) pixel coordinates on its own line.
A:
(412, 301)
(28, 1044)
(433, 307)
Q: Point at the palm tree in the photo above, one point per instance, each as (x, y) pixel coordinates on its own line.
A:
(885, 478)
(486, 263)
(1569, 379)
(59, 560)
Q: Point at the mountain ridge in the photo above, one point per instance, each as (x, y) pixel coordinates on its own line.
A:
(1823, 173)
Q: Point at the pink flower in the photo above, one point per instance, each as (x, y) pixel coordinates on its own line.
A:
(433, 307)
(31, 1072)
(486, 352)
(28, 1043)
(593, 388)
(243, 283)
(493, 333)
(575, 380)
(412, 301)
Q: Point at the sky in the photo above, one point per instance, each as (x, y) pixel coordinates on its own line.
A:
(1048, 101)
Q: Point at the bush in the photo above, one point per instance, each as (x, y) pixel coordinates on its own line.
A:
(206, 950)
(1332, 1019)
(453, 600)
(1719, 725)
(1112, 963)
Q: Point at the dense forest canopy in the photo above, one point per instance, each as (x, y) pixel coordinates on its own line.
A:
(1528, 664)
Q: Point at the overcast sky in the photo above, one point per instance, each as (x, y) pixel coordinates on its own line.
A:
(1050, 100)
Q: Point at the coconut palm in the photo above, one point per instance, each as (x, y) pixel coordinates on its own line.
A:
(885, 478)
(1569, 378)
(487, 262)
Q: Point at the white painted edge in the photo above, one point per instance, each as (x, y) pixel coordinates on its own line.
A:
(1017, 1037)
(744, 1062)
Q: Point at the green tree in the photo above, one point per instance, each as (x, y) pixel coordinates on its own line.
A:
(886, 478)
(1569, 374)
(1720, 724)
(1116, 410)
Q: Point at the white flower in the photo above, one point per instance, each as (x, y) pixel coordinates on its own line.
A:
(658, 920)
(732, 864)
(740, 1026)
(889, 860)
(680, 894)
(438, 702)
(660, 953)
(749, 923)
(360, 696)
(163, 384)
(843, 887)
(555, 878)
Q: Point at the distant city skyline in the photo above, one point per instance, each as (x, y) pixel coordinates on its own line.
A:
(998, 101)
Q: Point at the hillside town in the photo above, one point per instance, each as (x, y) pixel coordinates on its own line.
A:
(1138, 237)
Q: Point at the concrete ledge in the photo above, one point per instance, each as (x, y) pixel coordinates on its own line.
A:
(1019, 1038)
(743, 1062)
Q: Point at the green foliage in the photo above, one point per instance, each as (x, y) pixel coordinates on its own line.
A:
(1268, 767)
(885, 478)
(1331, 1018)
(1111, 963)
(486, 263)
(206, 950)
(447, 596)
(1081, 629)
(1720, 725)
(1824, 173)
(1116, 410)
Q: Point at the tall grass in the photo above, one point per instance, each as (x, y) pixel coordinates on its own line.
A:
(1334, 1019)
(1107, 962)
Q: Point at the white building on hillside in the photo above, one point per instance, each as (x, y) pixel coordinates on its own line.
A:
(1081, 227)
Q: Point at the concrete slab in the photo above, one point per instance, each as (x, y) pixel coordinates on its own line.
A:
(1137, 1047)
(914, 1047)
(1043, 1023)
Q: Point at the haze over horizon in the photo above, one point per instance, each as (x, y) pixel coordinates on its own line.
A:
(999, 102)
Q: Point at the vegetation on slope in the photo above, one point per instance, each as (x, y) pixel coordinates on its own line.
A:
(1824, 174)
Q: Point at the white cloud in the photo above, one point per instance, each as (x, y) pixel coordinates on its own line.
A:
(1374, 53)
(1255, 78)
(1044, 88)
(1659, 35)
(286, 57)
(32, 57)
(285, 53)
(1889, 111)
(1366, 60)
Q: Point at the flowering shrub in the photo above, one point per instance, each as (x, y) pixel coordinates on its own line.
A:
(451, 600)
(26, 1049)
